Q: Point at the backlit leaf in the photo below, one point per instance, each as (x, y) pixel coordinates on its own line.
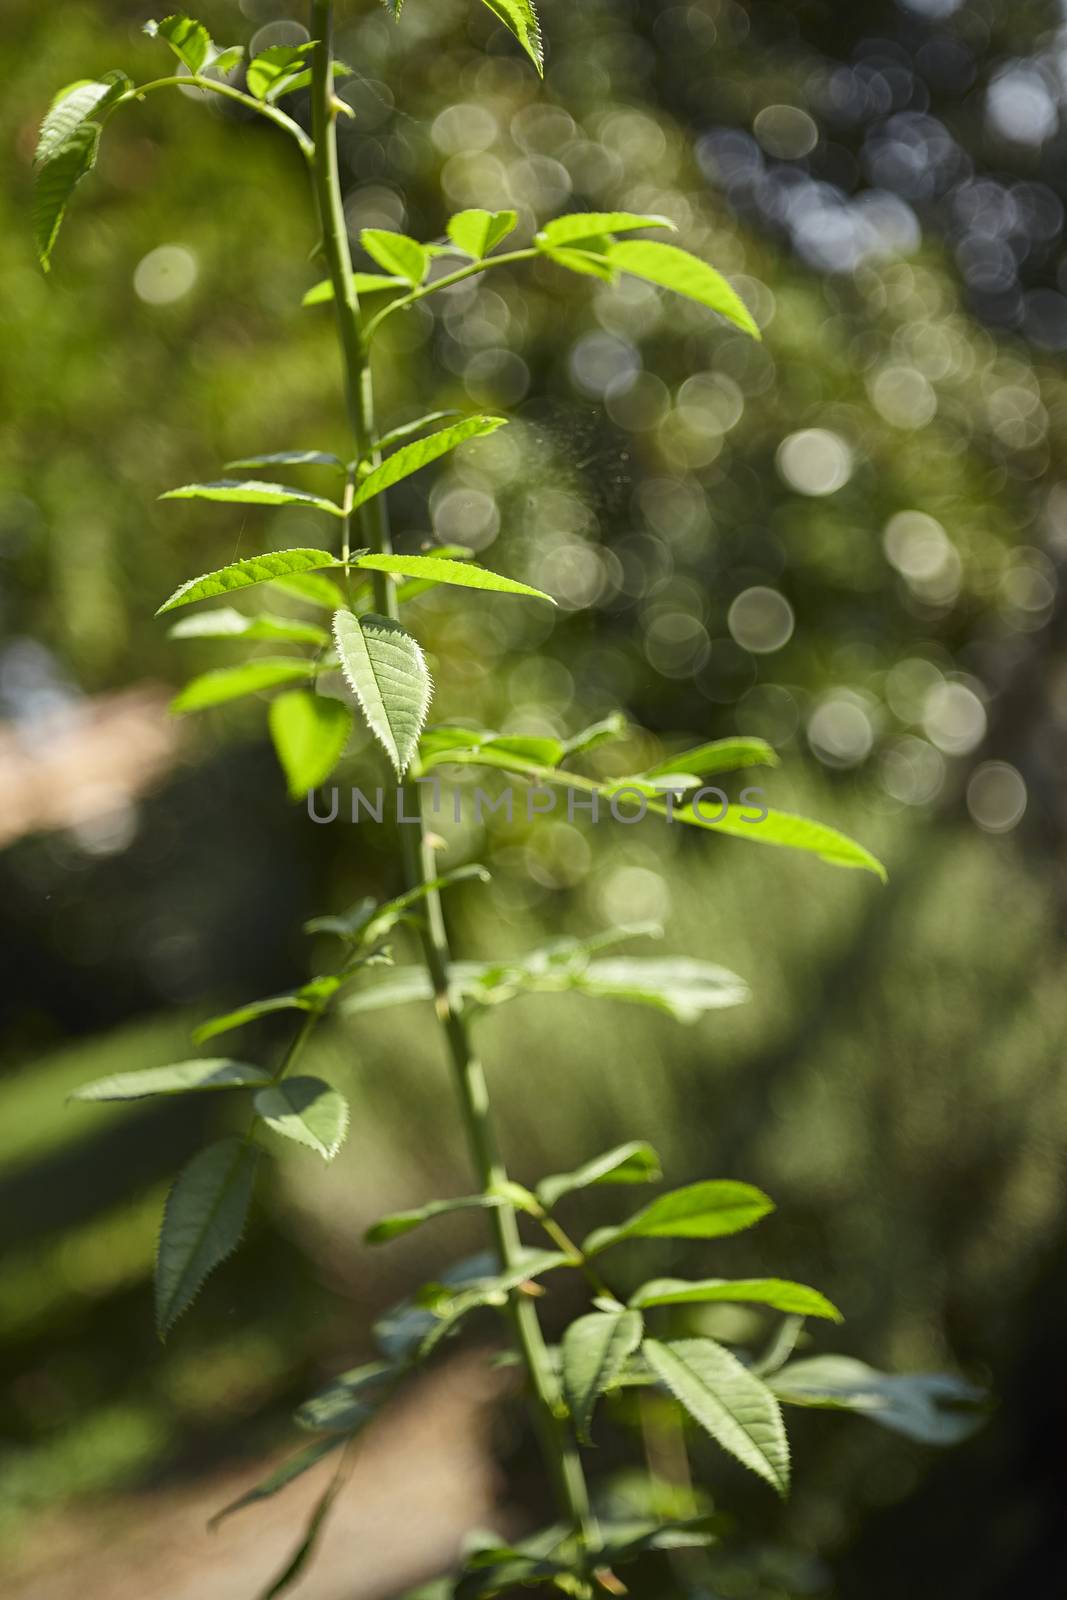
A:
(228, 59)
(223, 622)
(464, 574)
(363, 282)
(252, 493)
(671, 268)
(588, 263)
(188, 38)
(241, 574)
(477, 232)
(405, 429)
(682, 986)
(398, 254)
(311, 588)
(779, 1293)
(635, 1162)
(405, 1221)
(306, 1110)
(520, 16)
(223, 684)
(598, 733)
(578, 225)
(203, 1221)
(699, 1211)
(289, 458)
(595, 1350)
(55, 182)
(729, 1401)
(182, 1077)
(387, 672)
(273, 69)
(308, 998)
(786, 829)
(77, 103)
(309, 734)
(722, 755)
(413, 457)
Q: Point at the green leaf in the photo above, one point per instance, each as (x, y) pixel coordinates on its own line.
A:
(290, 458)
(183, 1077)
(55, 182)
(405, 1221)
(736, 1407)
(598, 733)
(223, 622)
(466, 575)
(203, 1221)
(445, 1305)
(403, 257)
(302, 80)
(363, 282)
(402, 985)
(252, 493)
(267, 568)
(595, 1350)
(780, 1293)
(188, 38)
(387, 672)
(722, 755)
(671, 268)
(477, 232)
(307, 998)
(415, 456)
(309, 587)
(588, 263)
(228, 59)
(792, 832)
(223, 684)
(347, 1401)
(635, 1162)
(699, 1211)
(309, 734)
(406, 429)
(306, 1548)
(306, 1110)
(385, 917)
(520, 16)
(679, 985)
(932, 1407)
(577, 225)
(294, 1467)
(76, 104)
(274, 69)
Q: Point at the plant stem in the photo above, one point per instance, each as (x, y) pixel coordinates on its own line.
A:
(557, 1444)
(446, 282)
(228, 92)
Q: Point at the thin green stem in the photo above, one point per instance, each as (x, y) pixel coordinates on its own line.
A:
(446, 282)
(557, 1444)
(560, 1453)
(214, 86)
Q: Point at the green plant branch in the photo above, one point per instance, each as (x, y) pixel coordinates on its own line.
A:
(560, 1452)
(469, 271)
(214, 86)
